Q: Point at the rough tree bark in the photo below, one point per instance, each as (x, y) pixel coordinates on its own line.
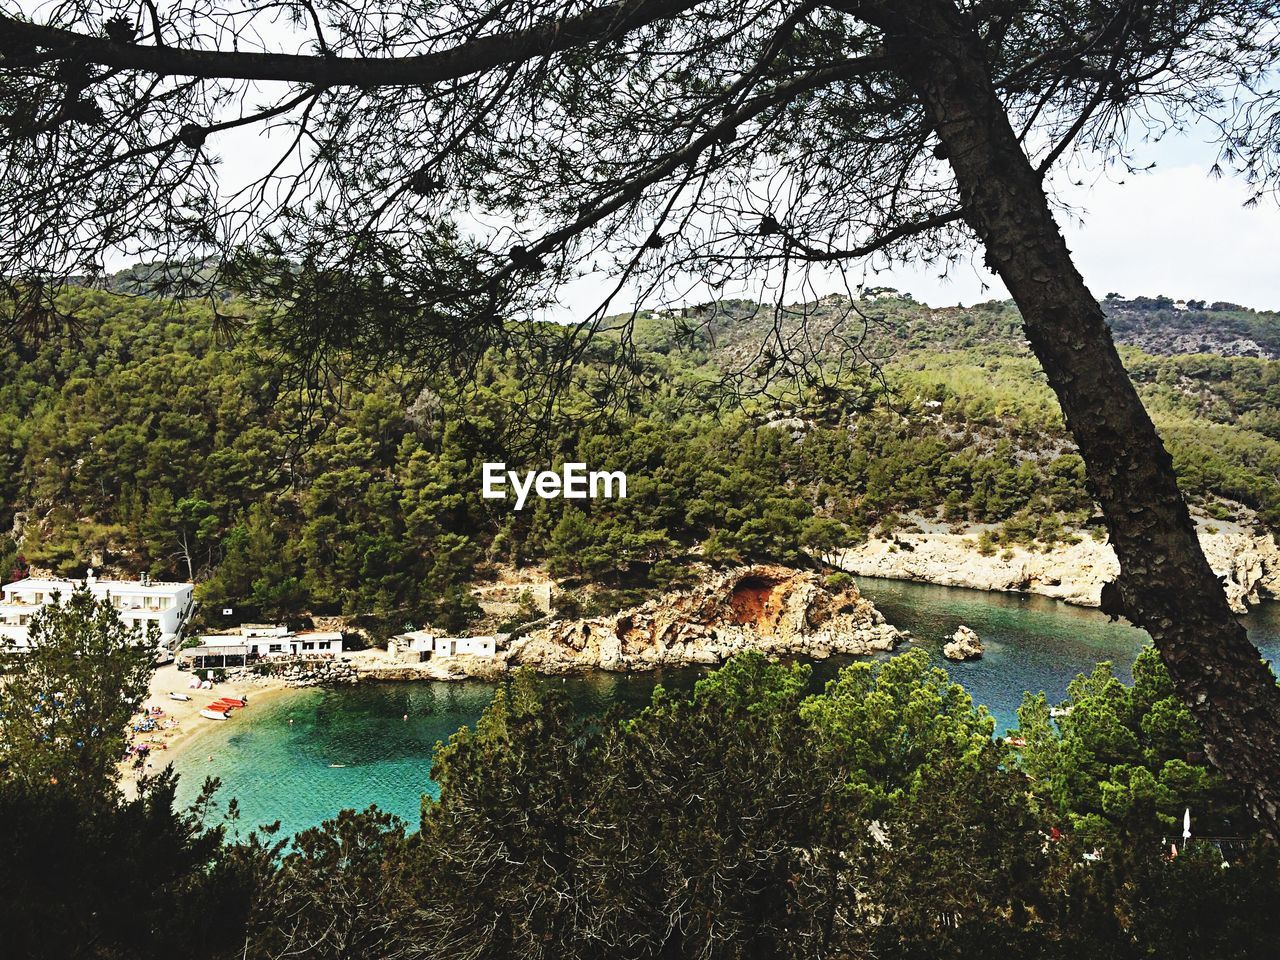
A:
(1165, 585)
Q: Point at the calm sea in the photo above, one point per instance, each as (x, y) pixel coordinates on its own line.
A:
(312, 752)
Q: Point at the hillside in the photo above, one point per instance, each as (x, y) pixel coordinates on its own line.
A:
(149, 444)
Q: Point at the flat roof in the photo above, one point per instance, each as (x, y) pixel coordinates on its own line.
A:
(40, 583)
(415, 635)
(215, 650)
(68, 584)
(134, 586)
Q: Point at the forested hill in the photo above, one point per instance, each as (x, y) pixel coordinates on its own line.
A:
(894, 321)
(146, 444)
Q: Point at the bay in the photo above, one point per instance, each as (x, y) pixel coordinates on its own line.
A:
(306, 754)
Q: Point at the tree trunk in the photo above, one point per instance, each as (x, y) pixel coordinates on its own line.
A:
(1165, 584)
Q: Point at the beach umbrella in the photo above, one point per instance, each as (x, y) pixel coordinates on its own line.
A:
(1186, 825)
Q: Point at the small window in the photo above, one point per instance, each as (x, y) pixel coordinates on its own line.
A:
(308, 646)
(274, 648)
(324, 644)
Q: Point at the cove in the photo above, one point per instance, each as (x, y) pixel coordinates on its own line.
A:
(351, 747)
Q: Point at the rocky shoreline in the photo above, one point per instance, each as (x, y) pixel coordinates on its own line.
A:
(781, 611)
(300, 671)
(775, 610)
(1247, 561)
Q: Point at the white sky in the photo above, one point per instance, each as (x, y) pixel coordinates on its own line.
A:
(1171, 230)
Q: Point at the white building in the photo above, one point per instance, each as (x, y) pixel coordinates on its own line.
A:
(141, 604)
(258, 641)
(428, 645)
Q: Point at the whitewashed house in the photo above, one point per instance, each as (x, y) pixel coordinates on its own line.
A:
(427, 646)
(141, 604)
(318, 641)
(260, 641)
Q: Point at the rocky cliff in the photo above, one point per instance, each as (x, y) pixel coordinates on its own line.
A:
(776, 610)
(1248, 562)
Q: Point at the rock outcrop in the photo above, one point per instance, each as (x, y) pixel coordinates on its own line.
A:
(772, 609)
(1248, 562)
(963, 645)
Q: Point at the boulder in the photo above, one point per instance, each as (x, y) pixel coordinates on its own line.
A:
(963, 645)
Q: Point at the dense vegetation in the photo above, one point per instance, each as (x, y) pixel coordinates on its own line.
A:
(751, 817)
(67, 698)
(145, 442)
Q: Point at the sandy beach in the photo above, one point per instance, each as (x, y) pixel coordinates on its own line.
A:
(181, 720)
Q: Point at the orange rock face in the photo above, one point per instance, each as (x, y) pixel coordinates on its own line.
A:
(773, 609)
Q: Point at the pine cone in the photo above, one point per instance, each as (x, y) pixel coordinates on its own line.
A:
(120, 29)
(192, 135)
(85, 110)
(424, 183)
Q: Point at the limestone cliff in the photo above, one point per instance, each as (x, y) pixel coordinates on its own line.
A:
(1248, 562)
(773, 609)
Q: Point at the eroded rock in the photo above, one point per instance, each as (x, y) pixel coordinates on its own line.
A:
(1247, 561)
(772, 609)
(963, 645)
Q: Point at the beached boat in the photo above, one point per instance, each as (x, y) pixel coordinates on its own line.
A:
(178, 696)
(212, 714)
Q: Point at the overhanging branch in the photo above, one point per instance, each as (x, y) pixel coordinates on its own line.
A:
(888, 238)
(474, 56)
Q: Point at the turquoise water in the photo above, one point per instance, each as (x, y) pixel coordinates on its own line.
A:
(309, 753)
(1032, 643)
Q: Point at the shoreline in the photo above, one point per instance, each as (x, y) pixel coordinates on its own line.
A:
(933, 555)
(929, 551)
(171, 742)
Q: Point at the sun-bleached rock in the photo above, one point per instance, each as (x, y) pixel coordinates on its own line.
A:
(963, 645)
(1247, 561)
(775, 610)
